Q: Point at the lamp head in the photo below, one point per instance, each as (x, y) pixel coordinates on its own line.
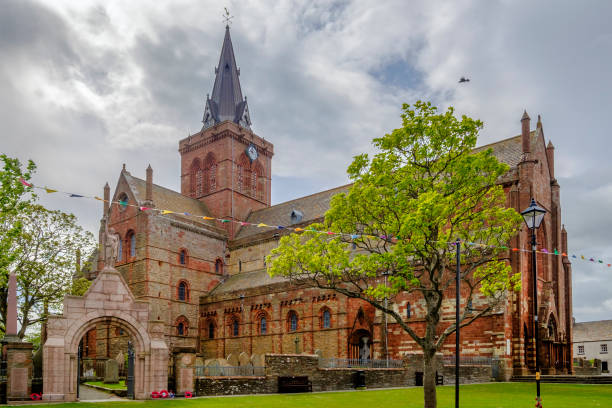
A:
(533, 215)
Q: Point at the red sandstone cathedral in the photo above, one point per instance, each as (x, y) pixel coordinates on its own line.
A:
(207, 280)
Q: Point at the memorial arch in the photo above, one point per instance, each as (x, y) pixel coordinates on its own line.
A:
(108, 300)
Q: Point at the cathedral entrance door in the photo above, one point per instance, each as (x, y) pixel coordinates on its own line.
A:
(360, 345)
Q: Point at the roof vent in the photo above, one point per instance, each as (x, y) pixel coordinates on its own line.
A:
(296, 216)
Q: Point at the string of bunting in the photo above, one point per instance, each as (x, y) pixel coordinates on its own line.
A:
(392, 239)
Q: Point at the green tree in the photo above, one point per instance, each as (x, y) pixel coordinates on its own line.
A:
(45, 260)
(427, 188)
(14, 197)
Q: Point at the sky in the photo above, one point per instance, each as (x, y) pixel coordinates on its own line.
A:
(87, 86)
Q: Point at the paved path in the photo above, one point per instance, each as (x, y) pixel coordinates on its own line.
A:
(91, 394)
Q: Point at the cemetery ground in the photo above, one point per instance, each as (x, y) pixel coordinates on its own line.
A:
(492, 395)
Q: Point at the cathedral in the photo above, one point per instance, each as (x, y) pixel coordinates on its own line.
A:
(207, 282)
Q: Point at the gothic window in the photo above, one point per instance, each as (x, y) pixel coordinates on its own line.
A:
(254, 184)
(211, 330)
(195, 176)
(182, 325)
(212, 178)
(263, 325)
(408, 311)
(210, 166)
(123, 201)
(240, 181)
(120, 250)
(131, 239)
(235, 327)
(292, 321)
(219, 267)
(183, 257)
(183, 291)
(326, 319)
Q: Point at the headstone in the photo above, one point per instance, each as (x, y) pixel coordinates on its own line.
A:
(243, 359)
(120, 359)
(257, 360)
(111, 371)
(319, 353)
(232, 360)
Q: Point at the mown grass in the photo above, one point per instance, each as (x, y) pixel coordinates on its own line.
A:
(119, 386)
(496, 395)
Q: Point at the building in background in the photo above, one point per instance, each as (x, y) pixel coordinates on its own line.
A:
(593, 340)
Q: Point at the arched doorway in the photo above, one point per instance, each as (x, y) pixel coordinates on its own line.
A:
(360, 345)
(108, 301)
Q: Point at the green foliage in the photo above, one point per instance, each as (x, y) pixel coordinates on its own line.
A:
(80, 286)
(427, 187)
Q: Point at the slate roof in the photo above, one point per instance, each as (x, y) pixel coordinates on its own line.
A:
(166, 199)
(509, 151)
(247, 280)
(592, 331)
(226, 102)
(312, 207)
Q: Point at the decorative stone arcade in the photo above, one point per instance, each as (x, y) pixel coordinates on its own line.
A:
(108, 300)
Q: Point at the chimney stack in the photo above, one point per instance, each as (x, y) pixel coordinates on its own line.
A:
(149, 189)
(525, 128)
(106, 199)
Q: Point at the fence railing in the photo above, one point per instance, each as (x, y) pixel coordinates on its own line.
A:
(468, 360)
(359, 363)
(239, 371)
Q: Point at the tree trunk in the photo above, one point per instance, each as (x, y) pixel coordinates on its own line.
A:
(429, 379)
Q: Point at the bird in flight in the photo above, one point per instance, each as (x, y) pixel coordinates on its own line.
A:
(464, 79)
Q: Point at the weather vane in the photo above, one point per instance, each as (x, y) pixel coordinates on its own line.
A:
(227, 19)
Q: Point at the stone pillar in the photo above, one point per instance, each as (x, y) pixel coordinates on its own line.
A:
(10, 334)
(184, 369)
(149, 186)
(19, 370)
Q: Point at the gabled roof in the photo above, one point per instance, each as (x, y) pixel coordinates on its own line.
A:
(166, 199)
(592, 331)
(247, 280)
(226, 102)
(310, 208)
(509, 151)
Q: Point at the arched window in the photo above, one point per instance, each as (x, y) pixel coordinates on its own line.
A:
(210, 168)
(292, 321)
(326, 319)
(183, 291)
(183, 257)
(235, 327)
(195, 178)
(254, 184)
(219, 267)
(123, 201)
(263, 325)
(182, 326)
(257, 181)
(131, 240)
(211, 330)
(239, 181)
(120, 250)
(408, 311)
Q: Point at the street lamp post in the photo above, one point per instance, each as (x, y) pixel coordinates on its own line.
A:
(533, 216)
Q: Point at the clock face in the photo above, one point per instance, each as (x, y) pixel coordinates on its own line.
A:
(251, 151)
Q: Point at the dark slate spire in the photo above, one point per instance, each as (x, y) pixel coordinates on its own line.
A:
(226, 102)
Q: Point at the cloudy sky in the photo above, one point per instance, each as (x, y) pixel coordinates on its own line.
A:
(88, 85)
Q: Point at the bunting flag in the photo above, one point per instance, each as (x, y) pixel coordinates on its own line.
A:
(352, 237)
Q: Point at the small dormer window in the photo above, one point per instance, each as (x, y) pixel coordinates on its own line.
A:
(296, 216)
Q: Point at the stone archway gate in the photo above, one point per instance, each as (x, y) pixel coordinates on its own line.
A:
(109, 299)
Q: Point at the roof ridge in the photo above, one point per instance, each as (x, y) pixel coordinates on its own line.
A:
(300, 198)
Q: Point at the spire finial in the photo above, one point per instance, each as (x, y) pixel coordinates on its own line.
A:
(227, 19)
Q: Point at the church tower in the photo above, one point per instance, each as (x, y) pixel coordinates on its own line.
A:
(226, 165)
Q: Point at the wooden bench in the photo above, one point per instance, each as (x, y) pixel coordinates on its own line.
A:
(294, 384)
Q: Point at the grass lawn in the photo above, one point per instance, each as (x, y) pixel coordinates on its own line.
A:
(119, 386)
(497, 395)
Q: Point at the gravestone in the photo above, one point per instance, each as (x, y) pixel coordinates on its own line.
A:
(319, 353)
(120, 359)
(232, 360)
(111, 371)
(243, 359)
(257, 360)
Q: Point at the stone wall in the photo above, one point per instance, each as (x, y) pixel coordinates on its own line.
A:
(468, 374)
